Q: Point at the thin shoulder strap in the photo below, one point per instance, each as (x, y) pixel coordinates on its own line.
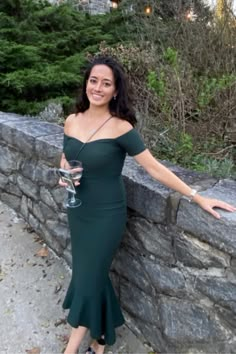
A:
(90, 137)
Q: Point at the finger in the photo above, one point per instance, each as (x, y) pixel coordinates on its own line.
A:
(62, 184)
(213, 212)
(225, 206)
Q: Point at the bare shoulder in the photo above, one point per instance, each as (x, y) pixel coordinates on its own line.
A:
(122, 126)
(69, 122)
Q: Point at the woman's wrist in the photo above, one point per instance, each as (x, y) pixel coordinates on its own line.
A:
(192, 195)
(197, 198)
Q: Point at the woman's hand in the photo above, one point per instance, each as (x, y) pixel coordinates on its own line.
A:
(64, 184)
(61, 183)
(208, 204)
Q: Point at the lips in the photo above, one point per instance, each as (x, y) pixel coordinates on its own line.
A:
(97, 97)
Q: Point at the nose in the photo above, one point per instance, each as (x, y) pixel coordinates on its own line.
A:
(98, 86)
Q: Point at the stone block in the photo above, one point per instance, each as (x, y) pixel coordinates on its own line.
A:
(6, 117)
(12, 200)
(165, 280)
(220, 291)
(144, 195)
(47, 212)
(185, 322)
(59, 195)
(39, 173)
(67, 256)
(153, 335)
(128, 267)
(131, 323)
(22, 134)
(192, 252)
(30, 204)
(10, 160)
(63, 217)
(13, 177)
(34, 223)
(13, 189)
(28, 187)
(226, 316)
(49, 148)
(51, 240)
(28, 168)
(47, 198)
(38, 213)
(24, 207)
(60, 231)
(138, 303)
(143, 235)
(220, 233)
(3, 181)
(149, 197)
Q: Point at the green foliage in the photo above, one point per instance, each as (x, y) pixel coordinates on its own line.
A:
(170, 55)
(183, 76)
(180, 149)
(208, 87)
(220, 168)
(184, 148)
(157, 84)
(43, 50)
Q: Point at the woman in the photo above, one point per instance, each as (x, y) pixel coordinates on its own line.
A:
(100, 134)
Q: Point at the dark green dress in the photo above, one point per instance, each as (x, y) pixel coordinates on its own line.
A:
(96, 228)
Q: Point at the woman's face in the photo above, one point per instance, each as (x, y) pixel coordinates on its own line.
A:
(100, 85)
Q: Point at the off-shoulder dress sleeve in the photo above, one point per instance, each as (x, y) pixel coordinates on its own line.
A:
(131, 142)
(65, 140)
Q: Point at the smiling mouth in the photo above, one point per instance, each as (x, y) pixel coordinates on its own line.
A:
(97, 96)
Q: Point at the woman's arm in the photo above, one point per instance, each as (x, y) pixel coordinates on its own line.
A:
(169, 179)
(63, 160)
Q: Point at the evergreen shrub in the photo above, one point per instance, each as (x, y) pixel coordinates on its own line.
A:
(43, 50)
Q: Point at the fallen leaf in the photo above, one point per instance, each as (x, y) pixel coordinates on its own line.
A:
(57, 288)
(29, 229)
(59, 322)
(35, 350)
(2, 275)
(38, 239)
(8, 312)
(42, 252)
(45, 324)
(63, 338)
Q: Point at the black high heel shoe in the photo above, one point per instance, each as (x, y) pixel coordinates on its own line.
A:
(90, 351)
(100, 341)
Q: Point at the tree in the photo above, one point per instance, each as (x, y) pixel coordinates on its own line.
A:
(167, 10)
(43, 49)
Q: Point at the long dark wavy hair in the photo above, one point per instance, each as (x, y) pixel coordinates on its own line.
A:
(120, 107)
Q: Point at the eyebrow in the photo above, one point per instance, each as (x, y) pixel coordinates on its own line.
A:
(95, 77)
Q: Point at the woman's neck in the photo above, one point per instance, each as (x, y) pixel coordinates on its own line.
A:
(98, 113)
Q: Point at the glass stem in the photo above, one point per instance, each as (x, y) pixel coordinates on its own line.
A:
(72, 199)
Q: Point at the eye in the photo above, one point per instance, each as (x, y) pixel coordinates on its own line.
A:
(92, 81)
(107, 84)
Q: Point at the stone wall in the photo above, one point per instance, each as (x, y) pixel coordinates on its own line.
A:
(175, 270)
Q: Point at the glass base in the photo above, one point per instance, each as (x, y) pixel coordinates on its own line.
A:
(73, 203)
